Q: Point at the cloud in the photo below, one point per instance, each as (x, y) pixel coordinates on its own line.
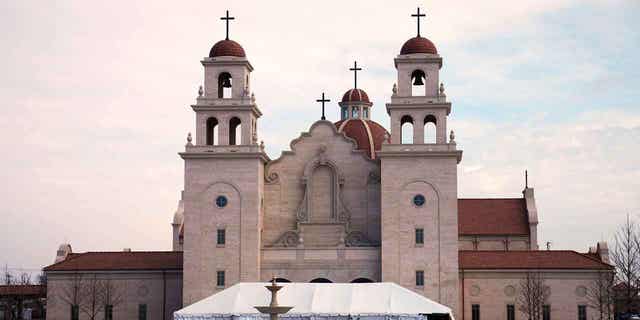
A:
(96, 104)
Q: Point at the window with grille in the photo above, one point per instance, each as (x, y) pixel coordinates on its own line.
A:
(75, 312)
(511, 312)
(220, 279)
(221, 237)
(582, 312)
(419, 236)
(546, 312)
(475, 312)
(419, 278)
(108, 312)
(142, 312)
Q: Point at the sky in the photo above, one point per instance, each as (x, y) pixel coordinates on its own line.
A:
(95, 105)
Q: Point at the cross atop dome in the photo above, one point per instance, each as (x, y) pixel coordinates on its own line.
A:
(227, 18)
(355, 70)
(418, 15)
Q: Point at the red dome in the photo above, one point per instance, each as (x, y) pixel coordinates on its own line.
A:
(227, 48)
(418, 45)
(368, 134)
(355, 95)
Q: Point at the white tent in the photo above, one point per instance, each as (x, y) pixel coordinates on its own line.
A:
(316, 301)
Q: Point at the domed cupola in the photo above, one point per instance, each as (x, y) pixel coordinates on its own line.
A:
(228, 48)
(418, 45)
(354, 119)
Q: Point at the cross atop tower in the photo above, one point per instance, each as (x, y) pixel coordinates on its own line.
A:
(323, 100)
(227, 18)
(418, 15)
(355, 70)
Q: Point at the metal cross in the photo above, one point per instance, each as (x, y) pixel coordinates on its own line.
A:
(323, 100)
(418, 16)
(355, 70)
(227, 18)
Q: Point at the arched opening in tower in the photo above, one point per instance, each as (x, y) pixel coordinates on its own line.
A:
(225, 85)
(406, 130)
(430, 131)
(235, 131)
(418, 78)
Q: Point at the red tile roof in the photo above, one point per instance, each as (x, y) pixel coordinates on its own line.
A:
(121, 260)
(23, 290)
(355, 95)
(528, 260)
(492, 217)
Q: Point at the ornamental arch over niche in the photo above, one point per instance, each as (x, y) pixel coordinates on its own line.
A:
(322, 182)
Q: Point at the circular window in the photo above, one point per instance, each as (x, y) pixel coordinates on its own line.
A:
(419, 200)
(221, 201)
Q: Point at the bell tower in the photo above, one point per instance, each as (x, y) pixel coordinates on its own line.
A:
(223, 182)
(419, 179)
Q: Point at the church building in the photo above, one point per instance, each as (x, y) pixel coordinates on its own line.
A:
(349, 202)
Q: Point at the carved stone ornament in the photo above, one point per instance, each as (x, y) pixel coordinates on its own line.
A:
(475, 290)
(200, 91)
(441, 88)
(395, 89)
(509, 291)
(189, 139)
(288, 239)
(452, 137)
(357, 239)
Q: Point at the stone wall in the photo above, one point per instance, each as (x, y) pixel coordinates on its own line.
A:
(161, 292)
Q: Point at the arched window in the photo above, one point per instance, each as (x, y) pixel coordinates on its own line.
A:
(282, 280)
(235, 131)
(430, 129)
(406, 130)
(225, 84)
(418, 78)
(345, 113)
(361, 280)
(365, 113)
(321, 280)
(212, 131)
(355, 111)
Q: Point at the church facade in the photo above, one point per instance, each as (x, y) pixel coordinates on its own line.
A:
(349, 202)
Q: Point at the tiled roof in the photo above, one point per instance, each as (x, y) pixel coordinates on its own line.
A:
(121, 260)
(528, 260)
(23, 290)
(492, 217)
(359, 129)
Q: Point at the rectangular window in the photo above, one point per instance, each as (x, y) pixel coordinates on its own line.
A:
(419, 236)
(108, 312)
(142, 312)
(222, 237)
(220, 279)
(546, 312)
(75, 312)
(475, 312)
(419, 278)
(582, 312)
(511, 312)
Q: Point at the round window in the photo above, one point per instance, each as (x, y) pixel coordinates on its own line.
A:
(418, 200)
(221, 201)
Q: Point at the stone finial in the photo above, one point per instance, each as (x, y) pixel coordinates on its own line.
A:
(261, 144)
(441, 88)
(189, 139)
(452, 137)
(253, 97)
(386, 139)
(245, 91)
(395, 89)
(200, 91)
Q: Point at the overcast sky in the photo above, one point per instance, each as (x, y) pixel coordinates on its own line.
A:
(95, 102)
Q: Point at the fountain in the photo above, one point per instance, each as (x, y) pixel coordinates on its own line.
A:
(273, 309)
